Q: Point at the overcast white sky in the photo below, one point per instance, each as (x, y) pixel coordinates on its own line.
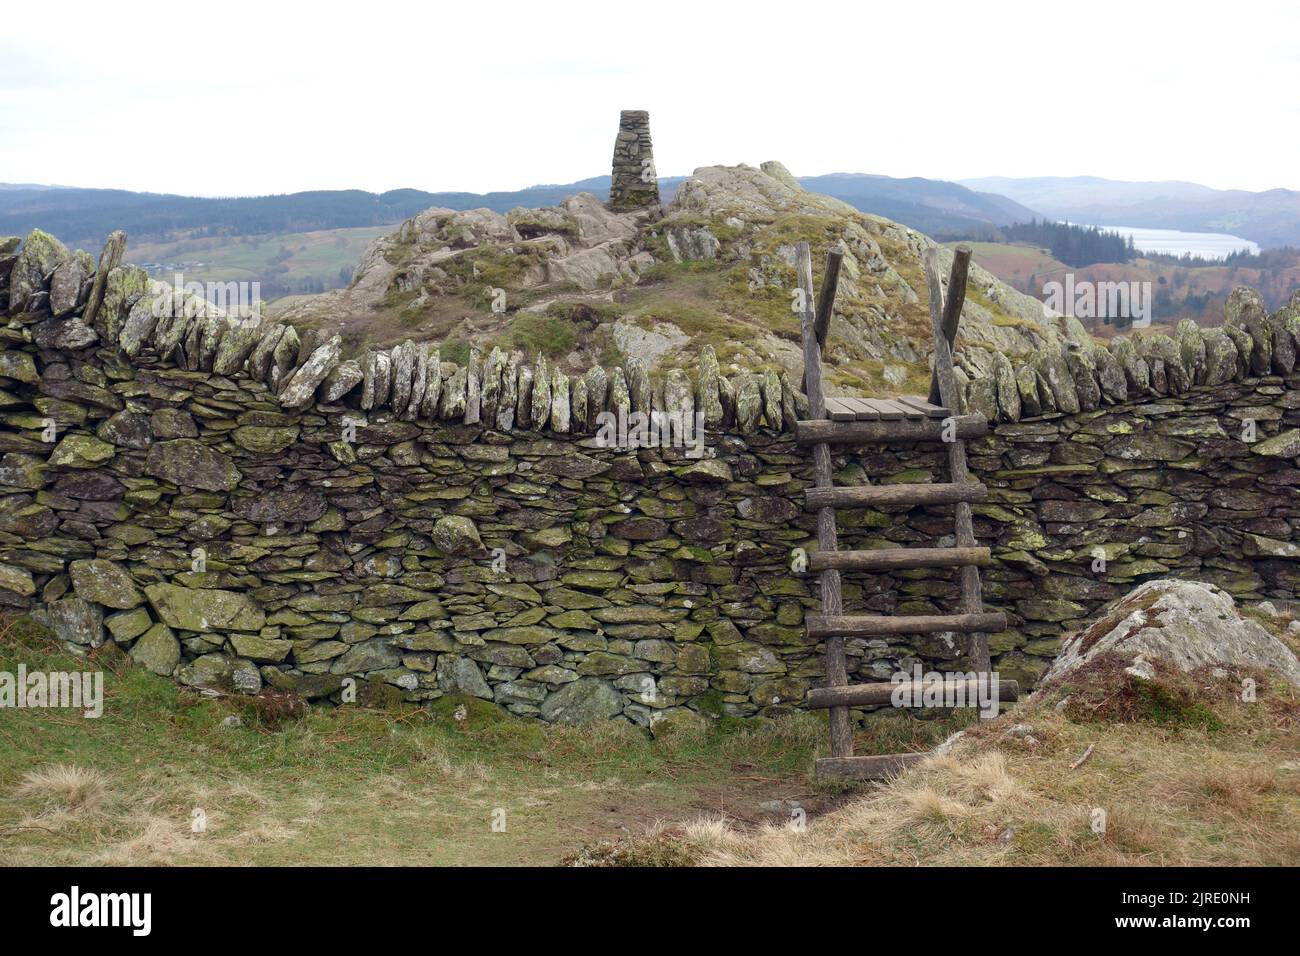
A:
(237, 98)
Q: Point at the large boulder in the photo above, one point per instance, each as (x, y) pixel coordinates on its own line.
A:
(235, 346)
(81, 451)
(1185, 625)
(20, 366)
(109, 259)
(218, 670)
(73, 619)
(68, 283)
(280, 504)
(344, 378)
(460, 675)
(124, 285)
(16, 579)
(1244, 311)
(1284, 445)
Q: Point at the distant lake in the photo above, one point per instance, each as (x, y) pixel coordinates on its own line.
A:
(1207, 245)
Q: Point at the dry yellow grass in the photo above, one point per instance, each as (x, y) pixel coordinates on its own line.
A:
(1147, 796)
(64, 787)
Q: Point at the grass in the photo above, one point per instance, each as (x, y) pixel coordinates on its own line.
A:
(350, 785)
(563, 327)
(347, 785)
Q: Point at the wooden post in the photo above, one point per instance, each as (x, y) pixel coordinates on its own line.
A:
(826, 301)
(832, 601)
(972, 598)
(952, 310)
(825, 305)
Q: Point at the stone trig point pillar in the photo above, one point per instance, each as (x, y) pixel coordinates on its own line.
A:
(635, 183)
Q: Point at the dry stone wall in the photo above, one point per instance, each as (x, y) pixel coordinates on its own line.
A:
(239, 507)
(1083, 507)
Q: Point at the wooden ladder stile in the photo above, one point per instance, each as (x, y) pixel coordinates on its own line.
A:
(850, 421)
(813, 329)
(945, 334)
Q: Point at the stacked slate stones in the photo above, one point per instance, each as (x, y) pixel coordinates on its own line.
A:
(634, 182)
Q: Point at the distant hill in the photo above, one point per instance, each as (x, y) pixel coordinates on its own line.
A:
(1180, 291)
(1270, 218)
(82, 217)
(932, 206)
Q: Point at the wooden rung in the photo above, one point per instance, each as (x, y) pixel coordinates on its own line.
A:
(820, 625)
(818, 431)
(871, 695)
(877, 767)
(884, 559)
(871, 496)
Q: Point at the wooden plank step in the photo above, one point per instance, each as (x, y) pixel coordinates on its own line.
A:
(912, 414)
(921, 405)
(821, 625)
(887, 410)
(884, 559)
(839, 410)
(876, 767)
(863, 410)
(869, 695)
(821, 430)
(871, 496)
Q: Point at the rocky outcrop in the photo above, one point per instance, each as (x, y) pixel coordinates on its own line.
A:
(714, 267)
(1184, 624)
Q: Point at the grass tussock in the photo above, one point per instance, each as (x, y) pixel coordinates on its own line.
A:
(64, 787)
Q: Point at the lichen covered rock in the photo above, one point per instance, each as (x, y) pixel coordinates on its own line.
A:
(205, 610)
(1186, 624)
